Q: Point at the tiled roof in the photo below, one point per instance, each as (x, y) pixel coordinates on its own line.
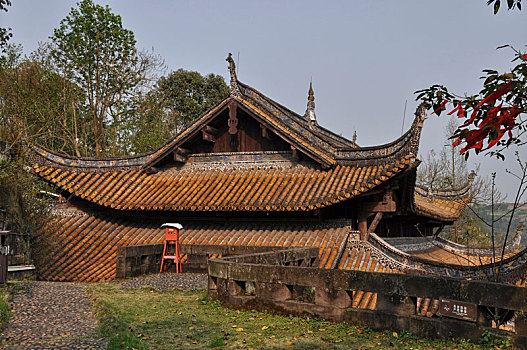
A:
(84, 247)
(443, 206)
(285, 189)
(449, 257)
(320, 144)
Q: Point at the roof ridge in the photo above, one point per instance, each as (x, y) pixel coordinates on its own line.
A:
(44, 156)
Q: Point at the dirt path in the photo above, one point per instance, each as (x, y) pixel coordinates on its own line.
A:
(51, 315)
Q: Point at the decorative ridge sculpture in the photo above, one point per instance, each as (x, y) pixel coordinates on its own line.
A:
(235, 89)
(310, 110)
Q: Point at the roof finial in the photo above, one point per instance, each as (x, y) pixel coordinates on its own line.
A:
(235, 89)
(355, 137)
(310, 110)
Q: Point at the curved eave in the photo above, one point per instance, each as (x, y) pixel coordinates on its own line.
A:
(442, 205)
(440, 208)
(271, 189)
(43, 156)
(407, 144)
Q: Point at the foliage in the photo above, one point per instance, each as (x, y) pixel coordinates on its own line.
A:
(92, 49)
(4, 306)
(189, 94)
(188, 319)
(39, 106)
(493, 341)
(148, 125)
(511, 4)
(5, 33)
(26, 213)
(493, 117)
(449, 171)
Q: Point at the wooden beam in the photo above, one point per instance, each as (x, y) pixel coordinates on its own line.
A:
(208, 136)
(265, 132)
(375, 222)
(376, 207)
(181, 150)
(210, 130)
(296, 154)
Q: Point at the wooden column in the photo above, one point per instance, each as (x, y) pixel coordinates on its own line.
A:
(363, 227)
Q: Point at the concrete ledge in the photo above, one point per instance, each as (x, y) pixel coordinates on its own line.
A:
(20, 272)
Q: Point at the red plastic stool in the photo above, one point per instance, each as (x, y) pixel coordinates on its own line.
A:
(171, 249)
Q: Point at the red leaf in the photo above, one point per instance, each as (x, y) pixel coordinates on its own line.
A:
(503, 89)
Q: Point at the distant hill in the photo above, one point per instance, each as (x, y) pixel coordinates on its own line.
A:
(503, 211)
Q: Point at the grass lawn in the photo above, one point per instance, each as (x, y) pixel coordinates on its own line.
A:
(149, 319)
(4, 306)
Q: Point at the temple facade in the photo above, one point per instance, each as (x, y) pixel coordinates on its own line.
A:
(252, 172)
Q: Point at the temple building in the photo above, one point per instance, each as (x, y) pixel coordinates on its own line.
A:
(252, 172)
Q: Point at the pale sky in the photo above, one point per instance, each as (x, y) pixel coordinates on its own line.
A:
(366, 58)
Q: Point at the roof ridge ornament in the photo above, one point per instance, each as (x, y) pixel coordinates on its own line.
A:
(310, 110)
(417, 126)
(235, 89)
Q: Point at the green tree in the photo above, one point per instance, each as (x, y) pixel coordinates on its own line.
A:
(148, 125)
(92, 49)
(448, 170)
(39, 106)
(5, 33)
(187, 95)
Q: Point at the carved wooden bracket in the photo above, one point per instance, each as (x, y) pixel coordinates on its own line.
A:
(151, 170)
(296, 154)
(209, 133)
(265, 132)
(181, 154)
(233, 119)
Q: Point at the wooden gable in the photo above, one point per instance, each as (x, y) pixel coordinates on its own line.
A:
(235, 130)
(230, 127)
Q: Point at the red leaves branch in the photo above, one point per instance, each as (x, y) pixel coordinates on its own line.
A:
(495, 123)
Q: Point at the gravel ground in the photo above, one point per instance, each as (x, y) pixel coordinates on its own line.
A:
(166, 281)
(51, 315)
(58, 315)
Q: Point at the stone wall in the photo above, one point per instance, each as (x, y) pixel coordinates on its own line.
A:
(290, 281)
(143, 259)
